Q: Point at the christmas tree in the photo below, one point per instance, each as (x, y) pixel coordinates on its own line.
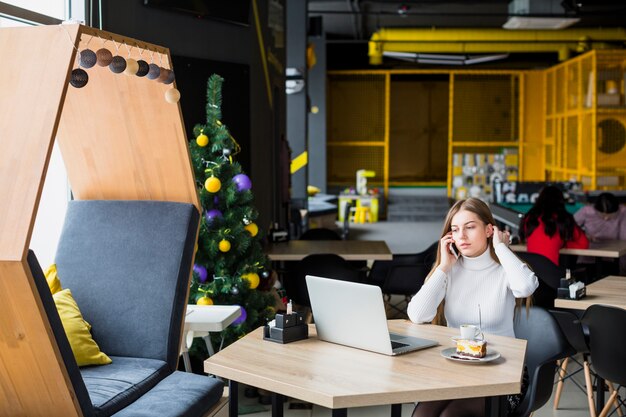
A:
(230, 264)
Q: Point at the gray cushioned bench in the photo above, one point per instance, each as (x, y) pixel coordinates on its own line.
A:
(128, 265)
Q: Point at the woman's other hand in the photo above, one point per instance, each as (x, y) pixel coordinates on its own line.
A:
(500, 236)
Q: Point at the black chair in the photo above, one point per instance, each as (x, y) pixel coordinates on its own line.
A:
(403, 275)
(323, 265)
(575, 333)
(549, 276)
(606, 343)
(546, 345)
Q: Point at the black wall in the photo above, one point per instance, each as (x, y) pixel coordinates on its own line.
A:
(187, 36)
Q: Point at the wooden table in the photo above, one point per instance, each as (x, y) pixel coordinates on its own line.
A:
(200, 321)
(600, 249)
(609, 291)
(340, 377)
(350, 250)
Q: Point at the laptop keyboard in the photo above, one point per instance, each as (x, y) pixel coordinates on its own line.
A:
(396, 345)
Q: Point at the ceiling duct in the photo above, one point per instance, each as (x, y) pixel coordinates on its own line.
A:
(538, 14)
(492, 41)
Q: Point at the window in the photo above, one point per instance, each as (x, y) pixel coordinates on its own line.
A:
(56, 193)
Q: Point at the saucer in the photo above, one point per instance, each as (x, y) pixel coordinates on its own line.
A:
(450, 353)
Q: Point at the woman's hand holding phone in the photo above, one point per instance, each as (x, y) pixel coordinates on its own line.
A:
(449, 252)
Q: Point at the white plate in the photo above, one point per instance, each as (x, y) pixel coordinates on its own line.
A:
(450, 353)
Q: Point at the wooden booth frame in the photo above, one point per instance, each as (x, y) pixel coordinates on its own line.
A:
(119, 139)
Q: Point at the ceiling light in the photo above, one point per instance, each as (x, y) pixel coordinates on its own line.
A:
(444, 59)
(518, 22)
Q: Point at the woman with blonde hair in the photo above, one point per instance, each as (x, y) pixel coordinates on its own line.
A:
(474, 267)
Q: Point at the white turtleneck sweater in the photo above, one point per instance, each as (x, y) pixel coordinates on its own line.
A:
(474, 281)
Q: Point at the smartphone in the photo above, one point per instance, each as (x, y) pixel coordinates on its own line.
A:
(454, 250)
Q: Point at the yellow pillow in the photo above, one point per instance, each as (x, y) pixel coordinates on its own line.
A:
(84, 348)
(53, 279)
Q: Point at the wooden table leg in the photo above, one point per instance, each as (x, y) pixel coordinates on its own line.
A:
(396, 410)
(233, 398)
(278, 401)
(495, 406)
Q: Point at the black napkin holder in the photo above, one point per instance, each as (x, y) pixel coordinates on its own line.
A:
(289, 328)
(563, 292)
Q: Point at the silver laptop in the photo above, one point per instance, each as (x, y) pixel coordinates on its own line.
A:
(354, 315)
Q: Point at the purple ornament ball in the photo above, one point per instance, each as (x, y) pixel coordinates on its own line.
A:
(212, 215)
(241, 318)
(201, 271)
(243, 182)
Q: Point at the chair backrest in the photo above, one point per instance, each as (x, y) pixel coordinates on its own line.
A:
(128, 265)
(549, 276)
(607, 339)
(73, 372)
(320, 234)
(321, 265)
(573, 329)
(405, 273)
(546, 344)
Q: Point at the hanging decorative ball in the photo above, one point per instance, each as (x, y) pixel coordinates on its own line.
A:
(252, 278)
(234, 290)
(79, 78)
(224, 245)
(170, 77)
(172, 96)
(118, 64)
(265, 274)
(213, 184)
(103, 57)
(88, 58)
(212, 214)
(243, 182)
(163, 74)
(202, 140)
(131, 67)
(201, 272)
(241, 318)
(252, 228)
(153, 71)
(143, 68)
(226, 152)
(204, 301)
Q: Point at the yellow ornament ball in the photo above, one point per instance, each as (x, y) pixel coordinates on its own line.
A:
(224, 245)
(253, 278)
(204, 301)
(213, 184)
(252, 228)
(202, 140)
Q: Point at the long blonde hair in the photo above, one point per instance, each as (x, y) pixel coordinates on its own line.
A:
(479, 208)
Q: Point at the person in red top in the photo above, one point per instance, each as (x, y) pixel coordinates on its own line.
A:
(548, 226)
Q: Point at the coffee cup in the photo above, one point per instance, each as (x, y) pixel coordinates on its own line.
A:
(470, 332)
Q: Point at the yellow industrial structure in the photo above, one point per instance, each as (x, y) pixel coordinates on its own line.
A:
(417, 127)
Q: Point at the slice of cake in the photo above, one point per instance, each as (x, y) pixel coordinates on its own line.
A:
(471, 348)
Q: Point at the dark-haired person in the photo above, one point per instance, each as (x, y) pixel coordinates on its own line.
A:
(485, 273)
(548, 226)
(604, 220)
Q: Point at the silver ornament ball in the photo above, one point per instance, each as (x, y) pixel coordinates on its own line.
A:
(88, 58)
